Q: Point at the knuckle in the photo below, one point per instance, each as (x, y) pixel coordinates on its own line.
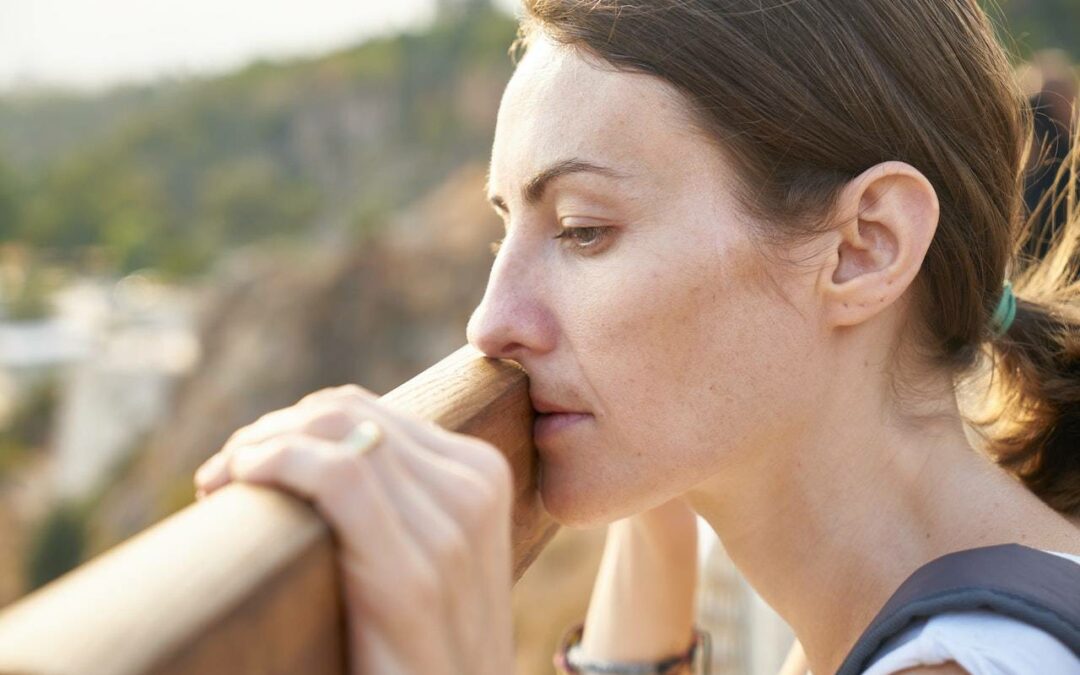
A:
(451, 546)
(331, 421)
(353, 390)
(489, 465)
(343, 391)
(423, 586)
(477, 506)
(318, 395)
(493, 464)
(239, 435)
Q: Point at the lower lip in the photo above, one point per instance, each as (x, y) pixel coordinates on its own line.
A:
(552, 423)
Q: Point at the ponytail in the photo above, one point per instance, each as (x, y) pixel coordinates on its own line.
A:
(1034, 405)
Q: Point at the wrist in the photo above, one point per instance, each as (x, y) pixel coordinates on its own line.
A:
(694, 656)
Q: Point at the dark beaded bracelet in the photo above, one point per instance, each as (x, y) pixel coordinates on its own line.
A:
(568, 659)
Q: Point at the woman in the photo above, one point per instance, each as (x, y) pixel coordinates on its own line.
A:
(751, 250)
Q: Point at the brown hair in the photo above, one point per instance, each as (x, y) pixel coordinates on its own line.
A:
(804, 95)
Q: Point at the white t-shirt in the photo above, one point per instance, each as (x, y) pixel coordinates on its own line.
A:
(982, 642)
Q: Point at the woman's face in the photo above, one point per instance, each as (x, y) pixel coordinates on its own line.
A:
(659, 319)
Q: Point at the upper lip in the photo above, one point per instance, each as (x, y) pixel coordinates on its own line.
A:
(546, 407)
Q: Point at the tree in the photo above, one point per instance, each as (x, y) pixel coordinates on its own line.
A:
(57, 546)
(1030, 25)
(9, 205)
(453, 9)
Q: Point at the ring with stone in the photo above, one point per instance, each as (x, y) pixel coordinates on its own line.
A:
(363, 437)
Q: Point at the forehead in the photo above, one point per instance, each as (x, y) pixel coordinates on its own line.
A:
(563, 103)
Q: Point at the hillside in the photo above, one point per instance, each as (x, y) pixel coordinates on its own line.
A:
(170, 176)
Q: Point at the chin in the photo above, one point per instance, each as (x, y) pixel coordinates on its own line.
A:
(574, 501)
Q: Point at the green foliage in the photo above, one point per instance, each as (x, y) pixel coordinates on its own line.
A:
(28, 296)
(277, 150)
(28, 429)
(10, 200)
(57, 546)
(1026, 26)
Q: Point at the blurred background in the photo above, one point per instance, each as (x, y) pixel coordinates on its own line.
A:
(209, 209)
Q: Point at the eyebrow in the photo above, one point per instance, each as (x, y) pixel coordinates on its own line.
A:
(533, 191)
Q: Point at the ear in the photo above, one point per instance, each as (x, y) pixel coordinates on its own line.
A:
(888, 217)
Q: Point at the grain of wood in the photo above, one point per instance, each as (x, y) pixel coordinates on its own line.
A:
(245, 581)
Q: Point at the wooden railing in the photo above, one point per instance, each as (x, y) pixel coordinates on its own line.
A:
(245, 581)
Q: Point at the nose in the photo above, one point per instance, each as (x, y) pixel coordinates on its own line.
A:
(512, 321)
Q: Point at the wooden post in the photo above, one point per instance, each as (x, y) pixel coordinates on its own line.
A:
(245, 581)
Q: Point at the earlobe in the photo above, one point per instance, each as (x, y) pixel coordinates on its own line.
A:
(888, 216)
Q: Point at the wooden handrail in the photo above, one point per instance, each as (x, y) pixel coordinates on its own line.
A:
(245, 581)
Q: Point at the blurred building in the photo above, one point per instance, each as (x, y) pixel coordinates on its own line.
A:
(142, 340)
(748, 637)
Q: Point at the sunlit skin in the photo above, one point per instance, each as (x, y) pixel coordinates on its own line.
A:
(638, 324)
(754, 381)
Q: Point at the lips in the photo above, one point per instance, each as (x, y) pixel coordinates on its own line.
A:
(547, 425)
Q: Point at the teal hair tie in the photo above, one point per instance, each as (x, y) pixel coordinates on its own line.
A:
(1005, 312)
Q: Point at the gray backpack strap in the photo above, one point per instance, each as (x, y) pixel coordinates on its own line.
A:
(1036, 587)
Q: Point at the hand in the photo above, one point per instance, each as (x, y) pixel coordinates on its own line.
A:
(422, 524)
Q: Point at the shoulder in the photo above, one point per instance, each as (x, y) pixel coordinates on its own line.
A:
(975, 642)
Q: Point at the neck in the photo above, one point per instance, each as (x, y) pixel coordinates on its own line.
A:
(865, 499)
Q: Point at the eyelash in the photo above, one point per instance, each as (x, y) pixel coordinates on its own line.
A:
(570, 233)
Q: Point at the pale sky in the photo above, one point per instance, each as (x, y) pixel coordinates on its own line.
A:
(95, 43)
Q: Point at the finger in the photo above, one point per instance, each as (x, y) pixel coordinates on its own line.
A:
(323, 415)
(329, 419)
(318, 416)
(331, 393)
(271, 424)
(461, 476)
(332, 476)
(474, 505)
(348, 490)
(336, 482)
(463, 448)
(424, 505)
(212, 474)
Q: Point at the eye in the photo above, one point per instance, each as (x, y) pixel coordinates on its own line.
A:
(585, 238)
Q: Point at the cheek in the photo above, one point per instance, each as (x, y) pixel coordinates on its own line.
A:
(691, 360)
(670, 332)
(651, 347)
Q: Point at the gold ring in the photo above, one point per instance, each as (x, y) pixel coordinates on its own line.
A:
(363, 437)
